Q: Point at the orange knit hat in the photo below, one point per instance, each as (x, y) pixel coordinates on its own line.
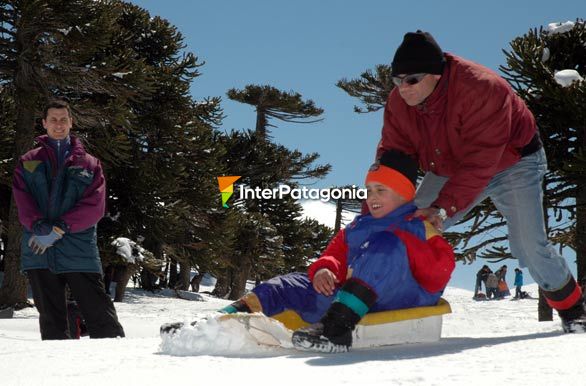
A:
(396, 170)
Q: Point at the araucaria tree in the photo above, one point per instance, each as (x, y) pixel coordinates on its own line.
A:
(127, 78)
(47, 49)
(264, 164)
(274, 103)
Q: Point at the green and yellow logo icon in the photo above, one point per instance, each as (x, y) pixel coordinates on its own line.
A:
(226, 185)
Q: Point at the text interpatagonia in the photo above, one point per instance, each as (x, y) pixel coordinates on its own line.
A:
(350, 193)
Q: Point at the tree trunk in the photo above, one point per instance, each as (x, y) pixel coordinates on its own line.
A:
(261, 123)
(581, 232)
(13, 290)
(184, 272)
(173, 275)
(122, 279)
(147, 280)
(196, 281)
(165, 277)
(544, 311)
(222, 287)
(338, 223)
(240, 277)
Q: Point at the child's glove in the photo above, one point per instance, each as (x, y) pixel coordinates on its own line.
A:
(39, 244)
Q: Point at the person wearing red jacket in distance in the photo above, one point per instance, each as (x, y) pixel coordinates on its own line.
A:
(385, 260)
(475, 138)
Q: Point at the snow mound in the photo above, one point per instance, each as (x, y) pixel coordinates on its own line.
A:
(211, 337)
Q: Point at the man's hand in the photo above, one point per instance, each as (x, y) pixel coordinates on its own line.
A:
(431, 214)
(324, 282)
(39, 244)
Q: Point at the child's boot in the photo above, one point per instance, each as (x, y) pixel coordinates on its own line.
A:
(333, 333)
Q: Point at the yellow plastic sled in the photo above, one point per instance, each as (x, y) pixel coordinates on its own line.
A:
(411, 325)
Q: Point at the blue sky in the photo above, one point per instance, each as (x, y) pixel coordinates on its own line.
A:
(308, 45)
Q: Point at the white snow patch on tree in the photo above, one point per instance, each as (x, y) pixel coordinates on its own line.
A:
(128, 249)
(65, 31)
(113, 217)
(545, 55)
(560, 28)
(121, 75)
(565, 78)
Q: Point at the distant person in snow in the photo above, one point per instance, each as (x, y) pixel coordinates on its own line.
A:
(481, 277)
(503, 287)
(475, 138)
(385, 260)
(60, 193)
(492, 283)
(501, 273)
(518, 283)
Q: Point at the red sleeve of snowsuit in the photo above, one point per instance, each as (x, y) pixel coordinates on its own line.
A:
(333, 258)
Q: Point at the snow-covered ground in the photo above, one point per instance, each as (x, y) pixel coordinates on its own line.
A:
(484, 343)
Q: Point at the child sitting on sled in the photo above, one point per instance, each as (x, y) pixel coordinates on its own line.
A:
(383, 260)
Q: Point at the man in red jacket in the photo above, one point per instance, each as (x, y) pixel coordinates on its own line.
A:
(475, 138)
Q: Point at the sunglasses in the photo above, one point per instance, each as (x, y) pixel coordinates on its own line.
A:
(409, 79)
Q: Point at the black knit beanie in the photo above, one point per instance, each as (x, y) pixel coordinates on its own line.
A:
(400, 162)
(396, 170)
(418, 53)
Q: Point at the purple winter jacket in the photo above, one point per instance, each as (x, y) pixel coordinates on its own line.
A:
(71, 196)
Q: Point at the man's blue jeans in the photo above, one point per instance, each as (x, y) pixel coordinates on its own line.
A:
(517, 194)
